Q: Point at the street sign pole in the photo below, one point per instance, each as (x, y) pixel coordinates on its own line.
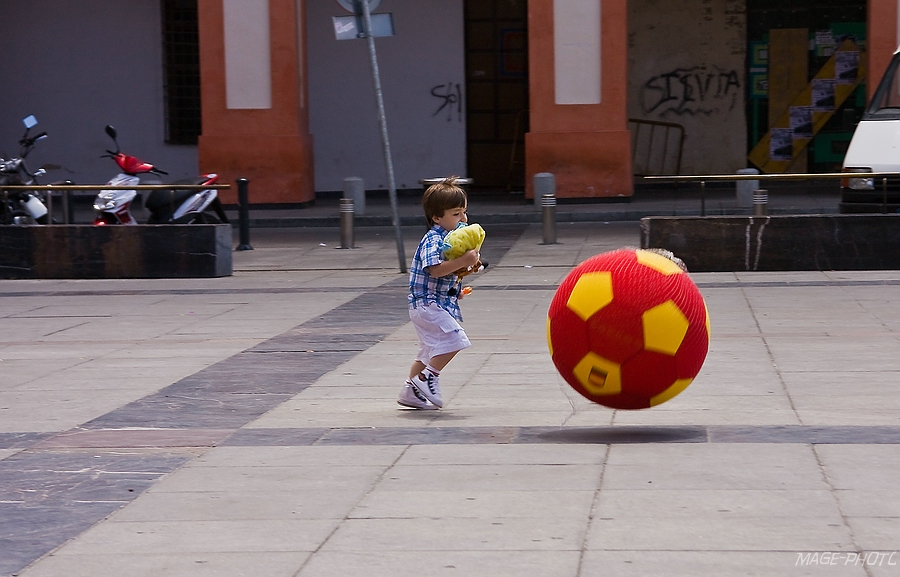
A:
(363, 5)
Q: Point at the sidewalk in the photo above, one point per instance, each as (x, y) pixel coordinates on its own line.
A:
(247, 425)
(511, 208)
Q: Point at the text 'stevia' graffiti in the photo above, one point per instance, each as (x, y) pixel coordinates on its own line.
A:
(697, 90)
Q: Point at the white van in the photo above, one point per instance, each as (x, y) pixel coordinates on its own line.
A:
(875, 147)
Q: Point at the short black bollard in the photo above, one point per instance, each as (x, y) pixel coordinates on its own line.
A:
(760, 202)
(355, 189)
(346, 223)
(544, 183)
(548, 205)
(243, 215)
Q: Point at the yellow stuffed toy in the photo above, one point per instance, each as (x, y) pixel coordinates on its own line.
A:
(464, 238)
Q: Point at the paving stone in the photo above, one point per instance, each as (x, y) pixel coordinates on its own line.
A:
(259, 432)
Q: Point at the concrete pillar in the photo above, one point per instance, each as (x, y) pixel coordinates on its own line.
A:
(882, 38)
(578, 65)
(254, 98)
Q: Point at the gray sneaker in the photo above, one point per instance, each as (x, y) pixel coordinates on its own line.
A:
(427, 384)
(412, 398)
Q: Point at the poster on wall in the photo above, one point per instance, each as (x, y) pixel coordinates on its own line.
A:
(846, 66)
(825, 43)
(781, 144)
(823, 94)
(802, 121)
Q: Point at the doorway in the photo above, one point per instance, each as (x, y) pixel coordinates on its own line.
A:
(496, 93)
(821, 25)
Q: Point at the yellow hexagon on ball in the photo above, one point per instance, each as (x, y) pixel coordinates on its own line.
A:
(628, 329)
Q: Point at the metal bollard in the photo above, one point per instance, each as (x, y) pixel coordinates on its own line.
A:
(548, 206)
(760, 202)
(346, 223)
(67, 215)
(355, 189)
(244, 214)
(744, 188)
(544, 183)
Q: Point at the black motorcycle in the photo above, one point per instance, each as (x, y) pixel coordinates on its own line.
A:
(22, 206)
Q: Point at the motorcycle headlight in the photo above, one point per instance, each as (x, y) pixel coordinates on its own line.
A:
(861, 183)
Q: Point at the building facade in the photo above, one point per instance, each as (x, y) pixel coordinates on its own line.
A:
(496, 90)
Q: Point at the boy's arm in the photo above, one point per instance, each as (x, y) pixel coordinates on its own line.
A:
(446, 267)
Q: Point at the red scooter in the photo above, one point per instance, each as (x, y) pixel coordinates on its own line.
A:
(167, 206)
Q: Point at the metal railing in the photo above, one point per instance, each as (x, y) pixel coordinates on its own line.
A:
(704, 178)
(657, 155)
(66, 189)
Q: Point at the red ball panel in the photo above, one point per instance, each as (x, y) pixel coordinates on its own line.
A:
(615, 332)
(693, 350)
(649, 373)
(571, 343)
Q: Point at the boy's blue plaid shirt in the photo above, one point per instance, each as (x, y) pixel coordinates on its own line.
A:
(424, 288)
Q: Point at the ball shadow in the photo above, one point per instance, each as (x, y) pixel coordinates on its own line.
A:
(624, 435)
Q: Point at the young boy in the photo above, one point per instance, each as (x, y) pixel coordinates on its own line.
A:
(434, 293)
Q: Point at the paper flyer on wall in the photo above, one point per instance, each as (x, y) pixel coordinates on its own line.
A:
(781, 144)
(846, 66)
(802, 121)
(823, 94)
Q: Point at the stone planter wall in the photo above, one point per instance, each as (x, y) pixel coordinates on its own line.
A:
(95, 252)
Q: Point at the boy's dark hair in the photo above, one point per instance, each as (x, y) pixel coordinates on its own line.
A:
(443, 196)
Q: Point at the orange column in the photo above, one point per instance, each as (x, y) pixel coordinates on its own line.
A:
(586, 145)
(268, 144)
(881, 39)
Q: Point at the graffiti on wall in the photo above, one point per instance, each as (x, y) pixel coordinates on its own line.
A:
(692, 91)
(450, 96)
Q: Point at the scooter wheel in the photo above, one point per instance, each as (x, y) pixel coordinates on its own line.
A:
(20, 217)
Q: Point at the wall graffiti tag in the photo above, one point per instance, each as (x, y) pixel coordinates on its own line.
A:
(450, 95)
(691, 91)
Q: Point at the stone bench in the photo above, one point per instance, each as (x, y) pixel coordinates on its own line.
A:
(101, 252)
(778, 242)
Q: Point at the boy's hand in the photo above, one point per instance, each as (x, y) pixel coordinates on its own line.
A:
(468, 258)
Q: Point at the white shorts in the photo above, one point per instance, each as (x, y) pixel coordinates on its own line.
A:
(438, 332)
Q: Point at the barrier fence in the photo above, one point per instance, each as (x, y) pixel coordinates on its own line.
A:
(703, 179)
(66, 189)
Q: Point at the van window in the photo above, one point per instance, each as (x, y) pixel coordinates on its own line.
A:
(886, 101)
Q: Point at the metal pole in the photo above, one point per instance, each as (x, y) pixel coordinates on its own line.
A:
(67, 217)
(355, 188)
(760, 202)
(884, 195)
(49, 207)
(548, 205)
(544, 183)
(244, 214)
(702, 198)
(382, 121)
(346, 223)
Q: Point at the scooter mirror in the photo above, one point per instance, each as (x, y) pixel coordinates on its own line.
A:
(111, 131)
(30, 121)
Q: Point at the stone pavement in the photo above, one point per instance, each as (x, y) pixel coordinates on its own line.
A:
(247, 425)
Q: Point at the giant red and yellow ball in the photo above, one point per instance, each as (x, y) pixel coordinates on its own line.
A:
(628, 329)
